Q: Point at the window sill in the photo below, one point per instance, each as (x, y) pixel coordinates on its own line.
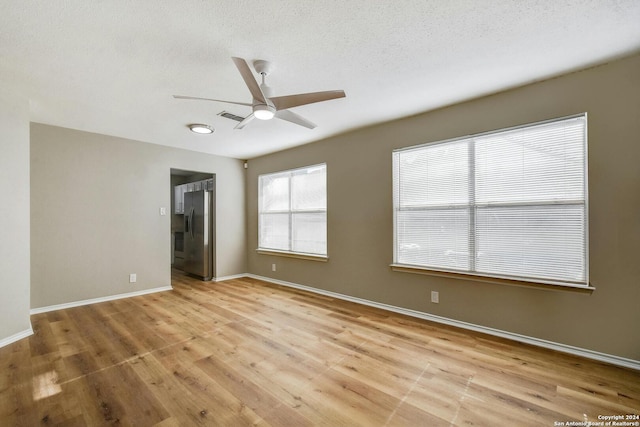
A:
(299, 255)
(496, 280)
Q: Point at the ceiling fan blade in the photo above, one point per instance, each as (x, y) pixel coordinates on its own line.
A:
(292, 117)
(289, 101)
(209, 99)
(249, 79)
(246, 121)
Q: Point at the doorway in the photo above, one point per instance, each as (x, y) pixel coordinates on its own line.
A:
(189, 249)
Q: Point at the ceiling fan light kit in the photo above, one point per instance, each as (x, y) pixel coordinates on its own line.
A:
(264, 105)
(201, 129)
(264, 112)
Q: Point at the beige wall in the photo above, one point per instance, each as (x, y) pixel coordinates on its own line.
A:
(14, 216)
(360, 230)
(95, 202)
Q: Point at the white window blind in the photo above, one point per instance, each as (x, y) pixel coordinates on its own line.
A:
(510, 203)
(293, 210)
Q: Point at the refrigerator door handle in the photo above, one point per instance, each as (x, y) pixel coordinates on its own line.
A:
(187, 226)
(193, 211)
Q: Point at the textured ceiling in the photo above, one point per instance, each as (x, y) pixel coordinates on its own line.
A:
(112, 66)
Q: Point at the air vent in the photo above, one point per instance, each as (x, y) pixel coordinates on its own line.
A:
(231, 116)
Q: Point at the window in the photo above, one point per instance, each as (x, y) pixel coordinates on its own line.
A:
(509, 204)
(293, 211)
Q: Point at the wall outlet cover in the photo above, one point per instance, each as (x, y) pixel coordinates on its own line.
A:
(435, 297)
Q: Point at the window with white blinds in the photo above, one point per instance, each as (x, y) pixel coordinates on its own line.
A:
(508, 204)
(292, 209)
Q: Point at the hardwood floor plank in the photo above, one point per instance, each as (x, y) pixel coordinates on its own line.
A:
(16, 385)
(393, 379)
(107, 396)
(246, 352)
(68, 339)
(219, 405)
(261, 400)
(502, 408)
(337, 399)
(55, 404)
(42, 340)
(187, 407)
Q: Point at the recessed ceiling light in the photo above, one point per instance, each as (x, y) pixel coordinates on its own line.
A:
(201, 129)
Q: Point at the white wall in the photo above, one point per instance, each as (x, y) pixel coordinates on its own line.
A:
(14, 217)
(95, 202)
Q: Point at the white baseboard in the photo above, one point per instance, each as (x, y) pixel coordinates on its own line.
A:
(16, 337)
(589, 354)
(234, 276)
(97, 300)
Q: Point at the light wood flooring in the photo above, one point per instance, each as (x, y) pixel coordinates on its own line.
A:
(245, 352)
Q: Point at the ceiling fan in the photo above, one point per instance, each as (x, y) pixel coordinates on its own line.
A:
(264, 105)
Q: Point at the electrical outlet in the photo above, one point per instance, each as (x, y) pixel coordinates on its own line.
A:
(133, 278)
(273, 267)
(435, 297)
(163, 211)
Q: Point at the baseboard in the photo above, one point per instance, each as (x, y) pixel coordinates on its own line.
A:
(97, 300)
(589, 354)
(16, 337)
(234, 276)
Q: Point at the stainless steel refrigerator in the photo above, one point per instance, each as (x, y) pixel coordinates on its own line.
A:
(198, 236)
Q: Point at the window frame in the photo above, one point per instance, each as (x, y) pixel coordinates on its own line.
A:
(290, 212)
(472, 206)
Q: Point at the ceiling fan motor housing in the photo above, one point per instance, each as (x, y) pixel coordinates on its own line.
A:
(266, 90)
